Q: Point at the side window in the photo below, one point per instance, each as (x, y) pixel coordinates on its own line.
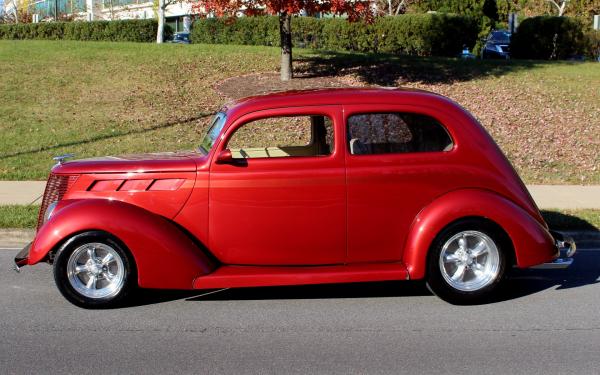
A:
(277, 137)
(384, 133)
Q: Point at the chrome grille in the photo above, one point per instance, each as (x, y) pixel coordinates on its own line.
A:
(56, 187)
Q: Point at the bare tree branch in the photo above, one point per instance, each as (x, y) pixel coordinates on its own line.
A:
(401, 5)
(560, 6)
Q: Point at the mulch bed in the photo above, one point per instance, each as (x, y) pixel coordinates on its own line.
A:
(262, 83)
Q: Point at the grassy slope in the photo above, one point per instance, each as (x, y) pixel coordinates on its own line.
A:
(102, 98)
(544, 115)
(109, 98)
(546, 119)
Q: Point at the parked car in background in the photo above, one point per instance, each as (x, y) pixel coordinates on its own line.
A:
(181, 38)
(305, 187)
(497, 45)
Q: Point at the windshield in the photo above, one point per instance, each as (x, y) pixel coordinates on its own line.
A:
(213, 132)
(500, 37)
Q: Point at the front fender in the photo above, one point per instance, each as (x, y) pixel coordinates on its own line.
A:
(532, 243)
(165, 257)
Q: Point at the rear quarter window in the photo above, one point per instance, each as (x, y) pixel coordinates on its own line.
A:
(385, 133)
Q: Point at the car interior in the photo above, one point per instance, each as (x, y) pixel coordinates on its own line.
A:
(315, 133)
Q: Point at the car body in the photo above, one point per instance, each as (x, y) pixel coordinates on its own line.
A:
(180, 38)
(497, 45)
(303, 187)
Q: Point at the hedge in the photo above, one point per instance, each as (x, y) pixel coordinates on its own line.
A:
(114, 31)
(414, 34)
(535, 38)
(592, 41)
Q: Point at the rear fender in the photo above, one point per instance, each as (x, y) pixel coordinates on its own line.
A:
(165, 257)
(532, 243)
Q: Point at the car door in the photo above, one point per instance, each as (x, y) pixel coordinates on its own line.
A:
(397, 160)
(282, 199)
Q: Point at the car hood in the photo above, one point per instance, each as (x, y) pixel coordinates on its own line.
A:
(153, 162)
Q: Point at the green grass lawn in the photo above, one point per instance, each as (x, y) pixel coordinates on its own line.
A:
(96, 98)
(100, 98)
(18, 216)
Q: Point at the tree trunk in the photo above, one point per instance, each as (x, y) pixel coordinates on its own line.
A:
(285, 33)
(161, 22)
(561, 10)
(16, 12)
(400, 6)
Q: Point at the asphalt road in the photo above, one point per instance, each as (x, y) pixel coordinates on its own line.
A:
(546, 322)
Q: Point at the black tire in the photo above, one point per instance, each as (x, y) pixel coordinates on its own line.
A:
(439, 280)
(122, 257)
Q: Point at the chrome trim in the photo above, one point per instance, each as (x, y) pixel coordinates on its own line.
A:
(49, 211)
(567, 245)
(21, 258)
(557, 264)
(60, 158)
(566, 249)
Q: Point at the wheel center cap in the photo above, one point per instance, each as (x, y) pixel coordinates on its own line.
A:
(95, 269)
(463, 256)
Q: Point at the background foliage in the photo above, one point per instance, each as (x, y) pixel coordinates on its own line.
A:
(546, 37)
(412, 34)
(114, 31)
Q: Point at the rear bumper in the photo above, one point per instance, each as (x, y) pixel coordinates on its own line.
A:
(566, 248)
(22, 257)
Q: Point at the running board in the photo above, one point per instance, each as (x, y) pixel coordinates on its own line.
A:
(252, 276)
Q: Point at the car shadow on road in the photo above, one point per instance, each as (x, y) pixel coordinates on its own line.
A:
(585, 270)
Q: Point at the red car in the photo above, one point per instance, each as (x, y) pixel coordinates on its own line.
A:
(306, 187)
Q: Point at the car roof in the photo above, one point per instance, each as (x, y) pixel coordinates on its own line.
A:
(333, 96)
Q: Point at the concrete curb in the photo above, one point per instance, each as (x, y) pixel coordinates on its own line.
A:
(16, 237)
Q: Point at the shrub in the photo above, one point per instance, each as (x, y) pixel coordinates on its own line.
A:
(415, 34)
(115, 31)
(547, 37)
(592, 42)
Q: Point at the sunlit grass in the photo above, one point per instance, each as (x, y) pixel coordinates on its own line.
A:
(101, 98)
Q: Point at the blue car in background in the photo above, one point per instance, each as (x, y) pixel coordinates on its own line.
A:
(181, 38)
(497, 45)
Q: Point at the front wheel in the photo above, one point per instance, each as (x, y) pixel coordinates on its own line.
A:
(92, 270)
(467, 262)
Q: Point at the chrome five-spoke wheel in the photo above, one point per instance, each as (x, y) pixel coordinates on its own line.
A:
(96, 270)
(469, 260)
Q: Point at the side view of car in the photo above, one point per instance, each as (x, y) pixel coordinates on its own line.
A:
(180, 38)
(304, 187)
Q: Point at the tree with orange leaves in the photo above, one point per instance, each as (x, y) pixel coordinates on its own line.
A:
(285, 9)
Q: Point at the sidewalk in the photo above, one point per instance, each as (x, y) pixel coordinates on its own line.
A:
(546, 196)
(21, 192)
(565, 196)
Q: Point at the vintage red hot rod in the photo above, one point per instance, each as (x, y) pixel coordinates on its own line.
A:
(304, 187)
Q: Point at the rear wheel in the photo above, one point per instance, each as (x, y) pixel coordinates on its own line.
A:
(467, 261)
(93, 270)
